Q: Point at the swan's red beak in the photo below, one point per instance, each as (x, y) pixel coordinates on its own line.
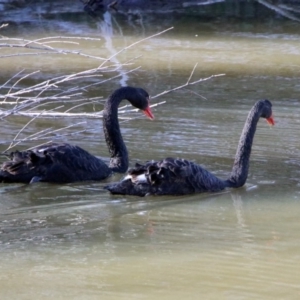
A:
(271, 120)
(148, 113)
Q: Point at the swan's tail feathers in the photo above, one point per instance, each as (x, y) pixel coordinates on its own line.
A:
(19, 168)
(126, 187)
(135, 183)
(7, 176)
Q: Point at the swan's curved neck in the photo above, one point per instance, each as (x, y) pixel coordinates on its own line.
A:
(116, 146)
(240, 167)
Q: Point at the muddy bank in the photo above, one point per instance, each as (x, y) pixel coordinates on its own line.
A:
(207, 9)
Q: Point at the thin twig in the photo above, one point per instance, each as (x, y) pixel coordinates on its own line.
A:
(19, 80)
(135, 43)
(66, 37)
(42, 135)
(3, 25)
(3, 85)
(279, 10)
(192, 73)
(79, 105)
(186, 84)
(21, 130)
(28, 54)
(42, 47)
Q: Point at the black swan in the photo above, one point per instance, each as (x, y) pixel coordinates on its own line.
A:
(63, 163)
(180, 177)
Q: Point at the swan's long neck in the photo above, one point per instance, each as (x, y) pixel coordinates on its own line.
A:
(116, 146)
(240, 167)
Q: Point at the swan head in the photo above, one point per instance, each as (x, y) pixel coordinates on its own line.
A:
(267, 112)
(140, 99)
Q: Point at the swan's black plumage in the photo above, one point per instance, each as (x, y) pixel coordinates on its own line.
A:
(179, 176)
(62, 162)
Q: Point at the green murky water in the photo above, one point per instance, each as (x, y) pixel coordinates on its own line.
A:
(76, 241)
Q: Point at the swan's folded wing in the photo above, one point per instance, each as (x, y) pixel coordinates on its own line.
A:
(167, 177)
(67, 163)
(53, 163)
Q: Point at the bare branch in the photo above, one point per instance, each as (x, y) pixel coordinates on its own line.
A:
(188, 83)
(192, 73)
(135, 43)
(3, 25)
(3, 85)
(279, 10)
(21, 130)
(44, 48)
(19, 80)
(66, 37)
(208, 2)
(61, 90)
